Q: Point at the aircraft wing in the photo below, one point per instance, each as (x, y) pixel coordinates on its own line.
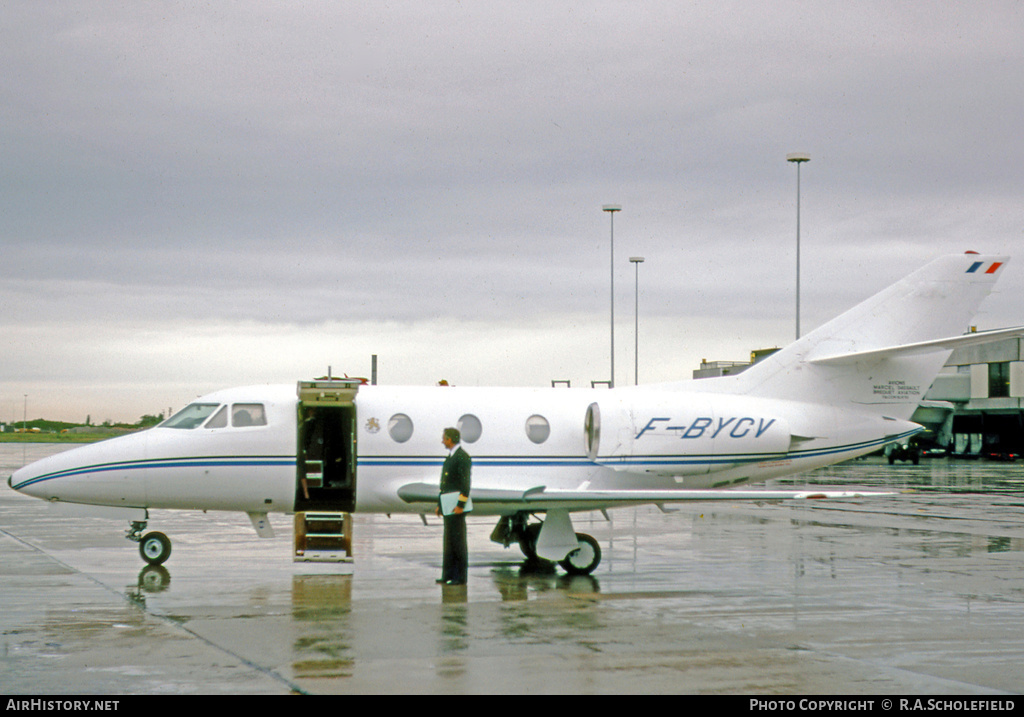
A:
(921, 347)
(539, 498)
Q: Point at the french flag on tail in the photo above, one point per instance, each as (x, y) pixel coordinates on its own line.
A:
(992, 269)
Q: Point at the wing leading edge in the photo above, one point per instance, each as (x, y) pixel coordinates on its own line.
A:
(540, 499)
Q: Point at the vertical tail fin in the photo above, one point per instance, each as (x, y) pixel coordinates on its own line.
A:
(885, 352)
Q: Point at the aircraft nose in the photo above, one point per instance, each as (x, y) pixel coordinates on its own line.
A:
(100, 473)
(36, 479)
(21, 477)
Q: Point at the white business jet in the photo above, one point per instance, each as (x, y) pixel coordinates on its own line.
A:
(844, 390)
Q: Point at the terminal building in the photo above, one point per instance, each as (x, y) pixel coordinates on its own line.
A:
(974, 408)
(985, 387)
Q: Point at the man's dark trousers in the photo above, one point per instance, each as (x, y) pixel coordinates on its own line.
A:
(455, 566)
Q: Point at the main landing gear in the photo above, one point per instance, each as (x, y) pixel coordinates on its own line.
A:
(584, 560)
(552, 540)
(154, 547)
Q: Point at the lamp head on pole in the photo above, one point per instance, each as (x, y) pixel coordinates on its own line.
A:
(612, 207)
(636, 259)
(798, 157)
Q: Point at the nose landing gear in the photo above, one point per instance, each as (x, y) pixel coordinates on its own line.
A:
(154, 547)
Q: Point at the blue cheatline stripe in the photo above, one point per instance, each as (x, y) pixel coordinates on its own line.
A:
(483, 461)
(633, 461)
(713, 460)
(974, 267)
(489, 461)
(195, 462)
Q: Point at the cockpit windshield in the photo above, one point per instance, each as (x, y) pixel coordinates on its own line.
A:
(241, 414)
(191, 416)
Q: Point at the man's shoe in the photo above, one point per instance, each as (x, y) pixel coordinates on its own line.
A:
(454, 582)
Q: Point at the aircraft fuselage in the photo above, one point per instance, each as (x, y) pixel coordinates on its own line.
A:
(560, 439)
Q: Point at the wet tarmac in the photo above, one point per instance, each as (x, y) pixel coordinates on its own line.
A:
(918, 593)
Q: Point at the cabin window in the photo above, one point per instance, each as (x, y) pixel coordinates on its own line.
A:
(220, 419)
(248, 414)
(400, 428)
(537, 428)
(470, 428)
(191, 416)
(592, 427)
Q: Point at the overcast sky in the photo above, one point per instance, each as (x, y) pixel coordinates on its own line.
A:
(201, 195)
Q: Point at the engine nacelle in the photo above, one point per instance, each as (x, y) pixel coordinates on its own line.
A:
(685, 433)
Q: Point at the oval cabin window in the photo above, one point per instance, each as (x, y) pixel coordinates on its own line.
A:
(470, 428)
(400, 428)
(537, 428)
(592, 427)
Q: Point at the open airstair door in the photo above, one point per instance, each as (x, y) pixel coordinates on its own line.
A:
(326, 448)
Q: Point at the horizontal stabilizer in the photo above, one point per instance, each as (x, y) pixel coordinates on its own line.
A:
(921, 347)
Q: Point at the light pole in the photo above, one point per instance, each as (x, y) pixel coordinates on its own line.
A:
(798, 158)
(611, 209)
(636, 261)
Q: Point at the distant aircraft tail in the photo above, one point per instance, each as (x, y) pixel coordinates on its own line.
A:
(884, 353)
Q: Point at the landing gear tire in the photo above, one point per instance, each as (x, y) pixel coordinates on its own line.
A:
(155, 548)
(585, 559)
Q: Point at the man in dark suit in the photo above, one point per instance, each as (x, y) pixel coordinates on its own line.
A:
(455, 479)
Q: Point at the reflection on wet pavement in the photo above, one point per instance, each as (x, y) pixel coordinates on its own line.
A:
(917, 592)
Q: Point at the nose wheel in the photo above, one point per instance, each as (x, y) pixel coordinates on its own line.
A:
(154, 547)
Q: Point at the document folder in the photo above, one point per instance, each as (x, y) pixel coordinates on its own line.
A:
(449, 501)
